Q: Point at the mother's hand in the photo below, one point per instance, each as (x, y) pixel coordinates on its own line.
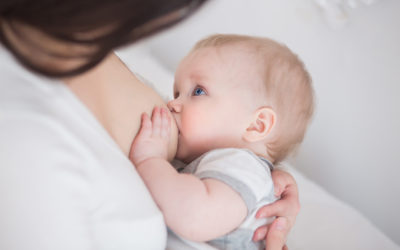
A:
(285, 209)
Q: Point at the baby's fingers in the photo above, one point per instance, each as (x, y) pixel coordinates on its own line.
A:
(165, 123)
(143, 134)
(156, 120)
(145, 129)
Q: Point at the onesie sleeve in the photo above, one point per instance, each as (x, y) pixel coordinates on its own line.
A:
(43, 188)
(241, 170)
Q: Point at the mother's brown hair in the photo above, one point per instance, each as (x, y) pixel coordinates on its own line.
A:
(98, 25)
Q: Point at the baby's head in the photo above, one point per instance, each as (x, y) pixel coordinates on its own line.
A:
(241, 91)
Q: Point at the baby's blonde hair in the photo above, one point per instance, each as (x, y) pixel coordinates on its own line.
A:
(287, 87)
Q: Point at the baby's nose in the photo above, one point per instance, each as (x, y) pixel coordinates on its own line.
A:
(174, 106)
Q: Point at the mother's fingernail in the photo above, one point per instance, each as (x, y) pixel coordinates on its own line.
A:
(261, 214)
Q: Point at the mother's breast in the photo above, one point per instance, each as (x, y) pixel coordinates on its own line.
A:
(117, 98)
(126, 101)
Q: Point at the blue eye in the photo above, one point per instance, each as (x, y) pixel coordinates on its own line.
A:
(198, 91)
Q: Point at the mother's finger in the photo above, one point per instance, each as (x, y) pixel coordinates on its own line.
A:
(282, 180)
(276, 236)
(260, 233)
(287, 206)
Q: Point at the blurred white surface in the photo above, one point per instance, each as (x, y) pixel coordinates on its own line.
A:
(351, 147)
(337, 12)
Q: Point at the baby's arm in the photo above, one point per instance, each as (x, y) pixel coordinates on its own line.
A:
(198, 210)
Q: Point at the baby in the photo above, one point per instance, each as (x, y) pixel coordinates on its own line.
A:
(241, 104)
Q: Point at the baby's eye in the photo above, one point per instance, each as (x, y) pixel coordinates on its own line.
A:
(198, 91)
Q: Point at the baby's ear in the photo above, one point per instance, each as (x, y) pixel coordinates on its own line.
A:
(261, 124)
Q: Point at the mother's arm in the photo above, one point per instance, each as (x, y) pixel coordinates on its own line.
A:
(285, 209)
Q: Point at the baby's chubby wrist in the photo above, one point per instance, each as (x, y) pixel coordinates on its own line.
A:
(148, 160)
(151, 161)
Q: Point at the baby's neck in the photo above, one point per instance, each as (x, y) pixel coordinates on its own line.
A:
(261, 151)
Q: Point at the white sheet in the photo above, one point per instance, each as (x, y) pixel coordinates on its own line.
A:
(325, 222)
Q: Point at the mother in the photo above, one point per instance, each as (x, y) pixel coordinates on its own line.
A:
(69, 110)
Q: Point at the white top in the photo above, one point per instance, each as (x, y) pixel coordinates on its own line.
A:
(64, 183)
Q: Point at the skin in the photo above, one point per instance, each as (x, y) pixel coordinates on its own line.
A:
(222, 207)
(213, 109)
(118, 107)
(213, 118)
(229, 111)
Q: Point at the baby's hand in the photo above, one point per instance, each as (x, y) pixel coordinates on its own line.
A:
(153, 137)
